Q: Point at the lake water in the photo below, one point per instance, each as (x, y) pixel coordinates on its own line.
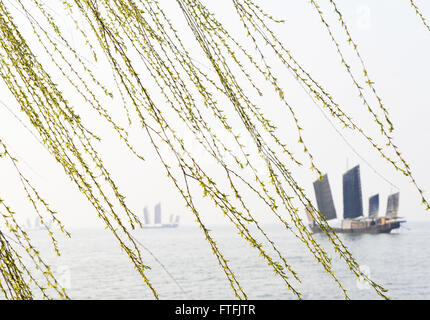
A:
(93, 267)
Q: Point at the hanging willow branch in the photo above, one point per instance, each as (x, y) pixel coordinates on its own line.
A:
(16, 275)
(419, 14)
(148, 60)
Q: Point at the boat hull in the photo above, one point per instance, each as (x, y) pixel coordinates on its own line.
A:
(159, 226)
(365, 228)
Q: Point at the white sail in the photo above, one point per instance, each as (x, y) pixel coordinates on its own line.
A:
(157, 213)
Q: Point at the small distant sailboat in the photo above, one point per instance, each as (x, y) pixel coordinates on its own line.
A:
(354, 221)
(173, 221)
(37, 225)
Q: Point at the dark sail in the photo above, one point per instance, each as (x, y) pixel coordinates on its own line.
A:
(374, 206)
(393, 205)
(324, 198)
(352, 198)
(145, 216)
(157, 213)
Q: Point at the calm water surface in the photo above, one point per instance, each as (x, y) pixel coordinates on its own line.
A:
(93, 267)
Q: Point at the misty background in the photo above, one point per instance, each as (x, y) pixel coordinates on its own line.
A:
(395, 47)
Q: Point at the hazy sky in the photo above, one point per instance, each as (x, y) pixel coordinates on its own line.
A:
(396, 49)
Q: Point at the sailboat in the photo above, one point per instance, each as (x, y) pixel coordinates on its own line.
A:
(353, 219)
(37, 225)
(173, 223)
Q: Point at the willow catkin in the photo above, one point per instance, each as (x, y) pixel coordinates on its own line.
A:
(419, 14)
